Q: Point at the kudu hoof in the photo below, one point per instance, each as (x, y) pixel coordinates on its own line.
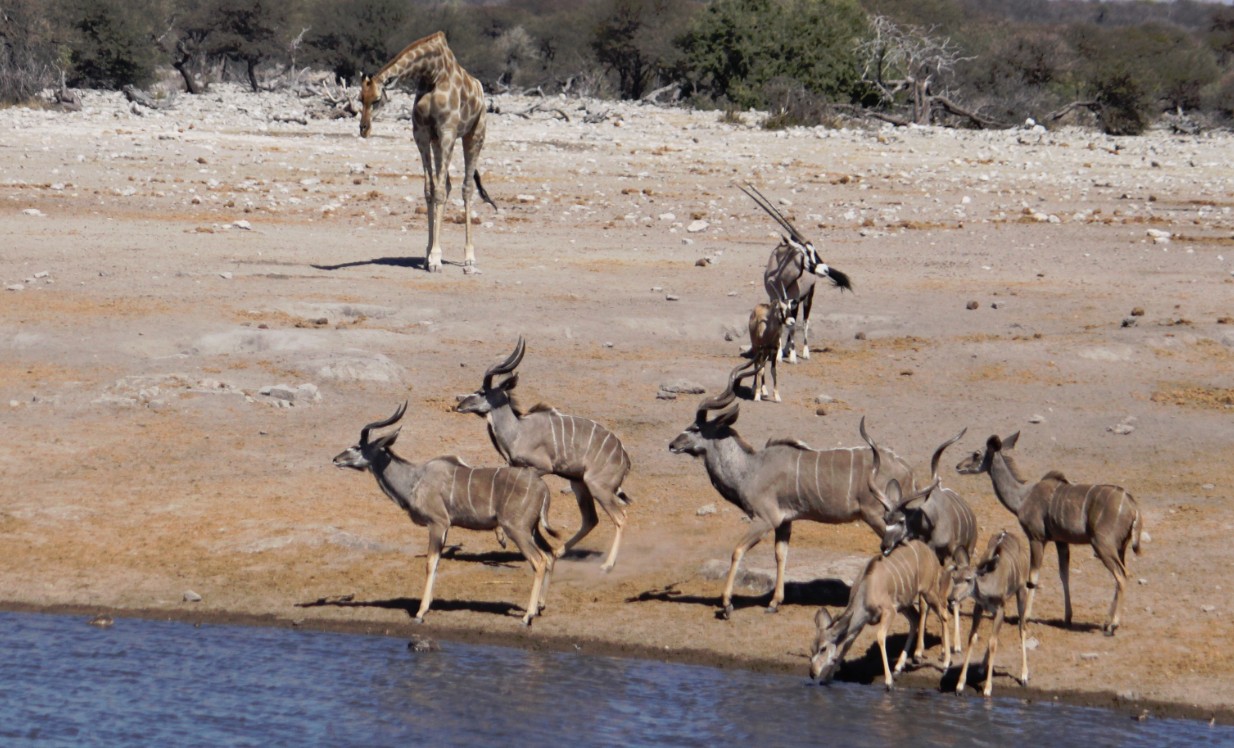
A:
(772, 609)
(725, 613)
(418, 619)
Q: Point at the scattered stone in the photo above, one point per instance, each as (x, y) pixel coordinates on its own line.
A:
(820, 410)
(823, 399)
(683, 387)
(672, 297)
(1208, 486)
(33, 212)
(1142, 581)
(1158, 236)
(702, 262)
(225, 275)
(1089, 655)
(422, 644)
(697, 226)
(662, 395)
(859, 336)
(243, 225)
(16, 287)
(972, 305)
(102, 621)
(1036, 418)
(1137, 311)
(1032, 642)
(1128, 322)
(706, 510)
(1208, 608)
(191, 597)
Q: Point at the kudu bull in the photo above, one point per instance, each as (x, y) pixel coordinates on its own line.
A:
(1054, 510)
(792, 269)
(580, 450)
(783, 482)
(444, 492)
(937, 516)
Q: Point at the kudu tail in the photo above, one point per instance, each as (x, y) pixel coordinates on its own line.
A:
(1136, 527)
(624, 497)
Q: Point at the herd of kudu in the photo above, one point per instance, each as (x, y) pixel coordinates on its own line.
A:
(928, 534)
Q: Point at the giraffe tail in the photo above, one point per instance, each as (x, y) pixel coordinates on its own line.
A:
(483, 192)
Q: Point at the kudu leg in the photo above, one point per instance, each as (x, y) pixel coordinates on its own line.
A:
(616, 511)
(1118, 567)
(525, 541)
(1020, 601)
(436, 540)
(586, 508)
(784, 534)
(968, 650)
(883, 626)
(758, 528)
(1036, 552)
(1064, 574)
(992, 651)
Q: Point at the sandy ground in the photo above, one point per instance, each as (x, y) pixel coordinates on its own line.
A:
(165, 268)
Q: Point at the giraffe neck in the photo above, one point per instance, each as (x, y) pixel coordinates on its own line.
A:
(426, 61)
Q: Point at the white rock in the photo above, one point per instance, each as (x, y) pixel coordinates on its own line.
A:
(33, 212)
(697, 226)
(191, 597)
(242, 225)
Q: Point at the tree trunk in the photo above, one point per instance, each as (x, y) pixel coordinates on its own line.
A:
(251, 64)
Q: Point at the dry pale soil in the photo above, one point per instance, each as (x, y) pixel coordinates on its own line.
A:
(161, 271)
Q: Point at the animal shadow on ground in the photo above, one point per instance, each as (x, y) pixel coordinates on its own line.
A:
(417, 263)
(1058, 623)
(410, 605)
(817, 592)
(869, 667)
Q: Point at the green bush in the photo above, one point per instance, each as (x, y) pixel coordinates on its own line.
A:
(110, 42)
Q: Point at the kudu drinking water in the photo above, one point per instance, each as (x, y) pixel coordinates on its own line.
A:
(1001, 574)
(937, 516)
(792, 269)
(1054, 510)
(580, 450)
(444, 492)
(781, 483)
(905, 580)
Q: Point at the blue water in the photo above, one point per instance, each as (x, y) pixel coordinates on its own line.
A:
(63, 682)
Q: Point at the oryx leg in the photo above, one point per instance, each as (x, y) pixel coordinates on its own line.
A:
(806, 305)
(436, 540)
(758, 528)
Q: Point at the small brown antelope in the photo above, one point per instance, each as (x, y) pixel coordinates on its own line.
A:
(444, 492)
(767, 323)
(791, 271)
(781, 483)
(1001, 574)
(580, 450)
(937, 516)
(904, 581)
(1054, 510)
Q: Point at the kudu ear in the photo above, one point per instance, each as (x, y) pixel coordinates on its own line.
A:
(509, 383)
(1009, 442)
(822, 619)
(894, 492)
(726, 417)
(386, 441)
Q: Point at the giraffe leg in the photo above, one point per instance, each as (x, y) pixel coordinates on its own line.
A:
(437, 203)
(472, 143)
(424, 141)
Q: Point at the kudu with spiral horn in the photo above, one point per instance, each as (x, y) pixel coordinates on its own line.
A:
(781, 483)
(792, 269)
(445, 492)
(580, 450)
(939, 517)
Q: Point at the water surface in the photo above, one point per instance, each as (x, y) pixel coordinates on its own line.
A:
(63, 682)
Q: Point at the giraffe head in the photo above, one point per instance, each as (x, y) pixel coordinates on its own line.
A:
(372, 96)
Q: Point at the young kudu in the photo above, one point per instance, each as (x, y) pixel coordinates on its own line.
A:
(791, 271)
(580, 450)
(1001, 574)
(905, 580)
(767, 323)
(444, 492)
(783, 482)
(937, 516)
(1054, 510)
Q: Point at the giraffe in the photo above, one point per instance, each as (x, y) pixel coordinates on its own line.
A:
(449, 104)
